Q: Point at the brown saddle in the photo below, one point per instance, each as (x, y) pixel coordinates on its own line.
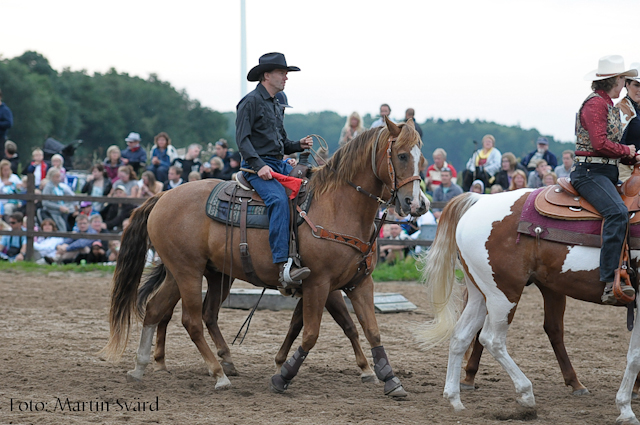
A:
(563, 202)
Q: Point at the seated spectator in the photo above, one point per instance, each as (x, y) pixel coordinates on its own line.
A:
(114, 249)
(149, 186)
(234, 166)
(509, 165)
(97, 254)
(194, 176)
(483, 164)
(85, 208)
(445, 192)
(57, 161)
(134, 155)
(71, 248)
(352, 128)
(11, 154)
(190, 162)
(14, 248)
(535, 177)
(114, 214)
(392, 253)
(113, 162)
(212, 169)
(432, 177)
(98, 184)
(38, 167)
(128, 179)
(162, 155)
(564, 169)
(46, 246)
(9, 184)
(222, 152)
(58, 210)
(542, 152)
(477, 186)
(518, 181)
(496, 188)
(425, 219)
(175, 178)
(550, 179)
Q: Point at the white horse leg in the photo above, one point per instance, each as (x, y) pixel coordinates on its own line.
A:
(623, 397)
(494, 338)
(466, 328)
(143, 356)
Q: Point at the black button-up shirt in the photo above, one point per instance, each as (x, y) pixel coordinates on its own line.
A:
(260, 128)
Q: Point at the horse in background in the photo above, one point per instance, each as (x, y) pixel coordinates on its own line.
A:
(479, 232)
(346, 194)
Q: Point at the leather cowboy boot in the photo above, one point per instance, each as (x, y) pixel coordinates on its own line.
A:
(609, 298)
(293, 276)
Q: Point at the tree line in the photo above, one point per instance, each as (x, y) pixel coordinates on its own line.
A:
(101, 109)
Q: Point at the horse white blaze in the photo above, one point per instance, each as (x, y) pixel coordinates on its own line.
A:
(415, 202)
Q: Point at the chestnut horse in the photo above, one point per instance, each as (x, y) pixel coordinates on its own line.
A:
(480, 230)
(346, 198)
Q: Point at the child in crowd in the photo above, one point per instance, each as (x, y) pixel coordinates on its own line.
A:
(57, 161)
(477, 186)
(194, 176)
(175, 178)
(134, 154)
(38, 167)
(11, 154)
(113, 162)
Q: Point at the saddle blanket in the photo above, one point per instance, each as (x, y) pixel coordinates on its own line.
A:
(257, 217)
(570, 232)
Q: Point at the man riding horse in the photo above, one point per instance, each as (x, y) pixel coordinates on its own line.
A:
(262, 141)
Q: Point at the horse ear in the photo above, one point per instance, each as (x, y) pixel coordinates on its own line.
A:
(411, 123)
(394, 130)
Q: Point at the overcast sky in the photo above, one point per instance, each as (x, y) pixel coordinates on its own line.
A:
(515, 62)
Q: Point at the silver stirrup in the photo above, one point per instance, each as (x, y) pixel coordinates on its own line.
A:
(286, 276)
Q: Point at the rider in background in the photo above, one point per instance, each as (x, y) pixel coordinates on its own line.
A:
(595, 173)
(262, 141)
(630, 109)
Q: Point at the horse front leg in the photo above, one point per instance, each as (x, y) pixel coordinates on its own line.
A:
(338, 310)
(625, 392)
(314, 300)
(218, 288)
(295, 326)
(362, 300)
(554, 306)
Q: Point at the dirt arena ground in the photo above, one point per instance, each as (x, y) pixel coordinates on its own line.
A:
(51, 328)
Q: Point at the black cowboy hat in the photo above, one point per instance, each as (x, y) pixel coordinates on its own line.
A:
(268, 63)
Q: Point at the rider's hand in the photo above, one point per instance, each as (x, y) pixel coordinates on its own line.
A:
(265, 173)
(632, 150)
(306, 143)
(637, 157)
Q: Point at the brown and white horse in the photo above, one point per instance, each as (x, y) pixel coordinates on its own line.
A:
(346, 198)
(480, 232)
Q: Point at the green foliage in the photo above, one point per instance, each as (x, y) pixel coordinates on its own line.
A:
(100, 109)
(31, 267)
(401, 270)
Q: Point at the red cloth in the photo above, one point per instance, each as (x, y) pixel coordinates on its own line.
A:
(43, 169)
(291, 183)
(594, 119)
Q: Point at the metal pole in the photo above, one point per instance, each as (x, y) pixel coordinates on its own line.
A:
(243, 49)
(31, 214)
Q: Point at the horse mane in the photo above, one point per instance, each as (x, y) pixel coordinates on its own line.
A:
(355, 157)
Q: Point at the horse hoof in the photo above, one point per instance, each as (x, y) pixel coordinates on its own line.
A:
(367, 379)
(229, 369)
(398, 392)
(628, 421)
(223, 383)
(582, 391)
(467, 387)
(132, 376)
(278, 384)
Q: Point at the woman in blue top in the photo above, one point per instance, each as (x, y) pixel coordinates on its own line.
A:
(162, 154)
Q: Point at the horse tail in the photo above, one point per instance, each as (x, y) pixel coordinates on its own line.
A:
(438, 273)
(129, 268)
(153, 280)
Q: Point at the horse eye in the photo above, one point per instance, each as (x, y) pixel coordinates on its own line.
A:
(403, 157)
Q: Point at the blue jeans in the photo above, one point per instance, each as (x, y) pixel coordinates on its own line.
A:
(277, 202)
(596, 184)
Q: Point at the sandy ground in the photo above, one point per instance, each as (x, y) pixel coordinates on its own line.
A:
(51, 328)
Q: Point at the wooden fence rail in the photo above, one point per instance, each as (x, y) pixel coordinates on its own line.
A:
(31, 197)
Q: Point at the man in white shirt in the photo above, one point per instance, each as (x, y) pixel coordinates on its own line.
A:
(385, 110)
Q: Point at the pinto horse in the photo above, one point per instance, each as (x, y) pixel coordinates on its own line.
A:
(480, 232)
(347, 192)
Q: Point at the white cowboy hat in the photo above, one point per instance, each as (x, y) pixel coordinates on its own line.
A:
(610, 66)
(636, 66)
